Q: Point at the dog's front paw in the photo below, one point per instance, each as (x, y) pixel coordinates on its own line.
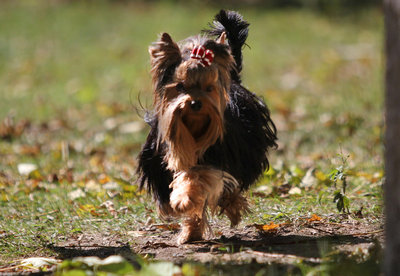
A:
(192, 229)
(186, 237)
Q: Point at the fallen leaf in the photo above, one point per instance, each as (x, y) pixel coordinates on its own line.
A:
(78, 193)
(112, 186)
(294, 191)
(29, 150)
(110, 207)
(39, 262)
(314, 217)
(137, 234)
(87, 208)
(9, 129)
(123, 210)
(26, 168)
(267, 227)
(264, 190)
(92, 186)
(169, 227)
(282, 189)
(103, 179)
(308, 180)
(149, 221)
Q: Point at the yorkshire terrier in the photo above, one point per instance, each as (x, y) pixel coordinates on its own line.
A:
(209, 136)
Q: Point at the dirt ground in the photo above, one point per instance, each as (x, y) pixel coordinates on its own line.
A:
(305, 241)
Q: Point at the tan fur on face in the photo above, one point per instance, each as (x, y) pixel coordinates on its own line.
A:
(188, 133)
(172, 131)
(193, 74)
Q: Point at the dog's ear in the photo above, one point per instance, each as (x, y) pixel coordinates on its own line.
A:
(165, 56)
(221, 39)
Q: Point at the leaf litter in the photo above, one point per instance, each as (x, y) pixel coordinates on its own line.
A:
(284, 242)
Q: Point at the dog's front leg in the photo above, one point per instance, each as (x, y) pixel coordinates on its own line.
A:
(188, 199)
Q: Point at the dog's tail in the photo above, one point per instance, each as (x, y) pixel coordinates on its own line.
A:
(236, 30)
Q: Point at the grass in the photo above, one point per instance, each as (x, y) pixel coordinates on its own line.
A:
(70, 78)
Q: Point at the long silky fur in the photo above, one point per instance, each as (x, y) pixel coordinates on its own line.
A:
(249, 133)
(152, 169)
(248, 129)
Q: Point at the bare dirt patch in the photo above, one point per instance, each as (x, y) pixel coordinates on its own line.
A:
(286, 244)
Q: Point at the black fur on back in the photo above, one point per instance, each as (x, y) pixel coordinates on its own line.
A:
(249, 133)
(236, 30)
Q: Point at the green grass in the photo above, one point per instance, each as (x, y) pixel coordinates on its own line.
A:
(75, 70)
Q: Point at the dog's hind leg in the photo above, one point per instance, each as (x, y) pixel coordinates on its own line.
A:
(234, 205)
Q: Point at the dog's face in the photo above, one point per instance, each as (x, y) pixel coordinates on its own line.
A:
(191, 84)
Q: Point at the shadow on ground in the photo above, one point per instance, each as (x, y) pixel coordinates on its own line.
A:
(247, 251)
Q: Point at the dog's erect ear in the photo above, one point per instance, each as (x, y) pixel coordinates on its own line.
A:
(221, 39)
(165, 56)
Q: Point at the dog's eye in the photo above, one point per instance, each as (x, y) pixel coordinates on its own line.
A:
(180, 87)
(209, 88)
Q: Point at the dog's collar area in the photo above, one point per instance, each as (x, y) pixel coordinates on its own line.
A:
(205, 56)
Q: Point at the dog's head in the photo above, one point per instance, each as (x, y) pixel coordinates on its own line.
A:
(191, 85)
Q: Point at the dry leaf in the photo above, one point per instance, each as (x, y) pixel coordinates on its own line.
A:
(39, 262)
(87, 208)
(112, 186)
(9, 129)
(137, 234)
(314, 217)
(263, 190)
(308, 180)
(26, 168)
(29, 150)
(123, 210)
(267, 227)
(169, 227)
(110, 207)
(103, 179)
(294, 191)
(75, 194)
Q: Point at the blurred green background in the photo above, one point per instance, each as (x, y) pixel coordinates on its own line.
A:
(317, 63)
(58, 54)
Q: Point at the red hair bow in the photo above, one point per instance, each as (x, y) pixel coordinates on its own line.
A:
(205, 56)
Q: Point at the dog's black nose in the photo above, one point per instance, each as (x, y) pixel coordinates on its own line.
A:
(196, 105)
